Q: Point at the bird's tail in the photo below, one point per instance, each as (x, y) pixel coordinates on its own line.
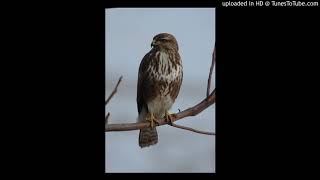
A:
(148, 137)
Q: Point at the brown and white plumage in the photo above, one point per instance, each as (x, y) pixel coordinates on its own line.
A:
(159, 81)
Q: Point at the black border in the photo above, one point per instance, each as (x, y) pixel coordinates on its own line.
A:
(265, 56)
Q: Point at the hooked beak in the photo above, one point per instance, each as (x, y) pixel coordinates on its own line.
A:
(153, 43)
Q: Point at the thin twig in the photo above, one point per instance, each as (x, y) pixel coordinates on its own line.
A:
(114, 91)
(107, 117)
(191, 129)
(211, 69)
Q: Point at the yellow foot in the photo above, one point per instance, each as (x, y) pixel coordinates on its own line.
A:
(168, 117)
(152, 120)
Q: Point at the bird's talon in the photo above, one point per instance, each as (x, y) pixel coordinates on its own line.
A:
(152, 120)
(168, 117)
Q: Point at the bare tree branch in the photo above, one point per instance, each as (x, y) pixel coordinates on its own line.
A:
(114, 91)
(193, 111)
(110, 96)
(191, 129)
(211, 69)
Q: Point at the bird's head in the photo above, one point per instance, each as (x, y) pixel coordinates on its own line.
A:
(165, 41)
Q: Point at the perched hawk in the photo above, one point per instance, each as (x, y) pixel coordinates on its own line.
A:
(159, 82)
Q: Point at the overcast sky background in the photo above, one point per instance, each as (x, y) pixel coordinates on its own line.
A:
(129, 32)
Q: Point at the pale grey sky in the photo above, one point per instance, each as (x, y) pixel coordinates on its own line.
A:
(129, 32)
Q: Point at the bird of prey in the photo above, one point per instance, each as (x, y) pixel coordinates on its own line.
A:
(159, 81)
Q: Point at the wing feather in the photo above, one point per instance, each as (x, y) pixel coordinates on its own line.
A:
(141, 81)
